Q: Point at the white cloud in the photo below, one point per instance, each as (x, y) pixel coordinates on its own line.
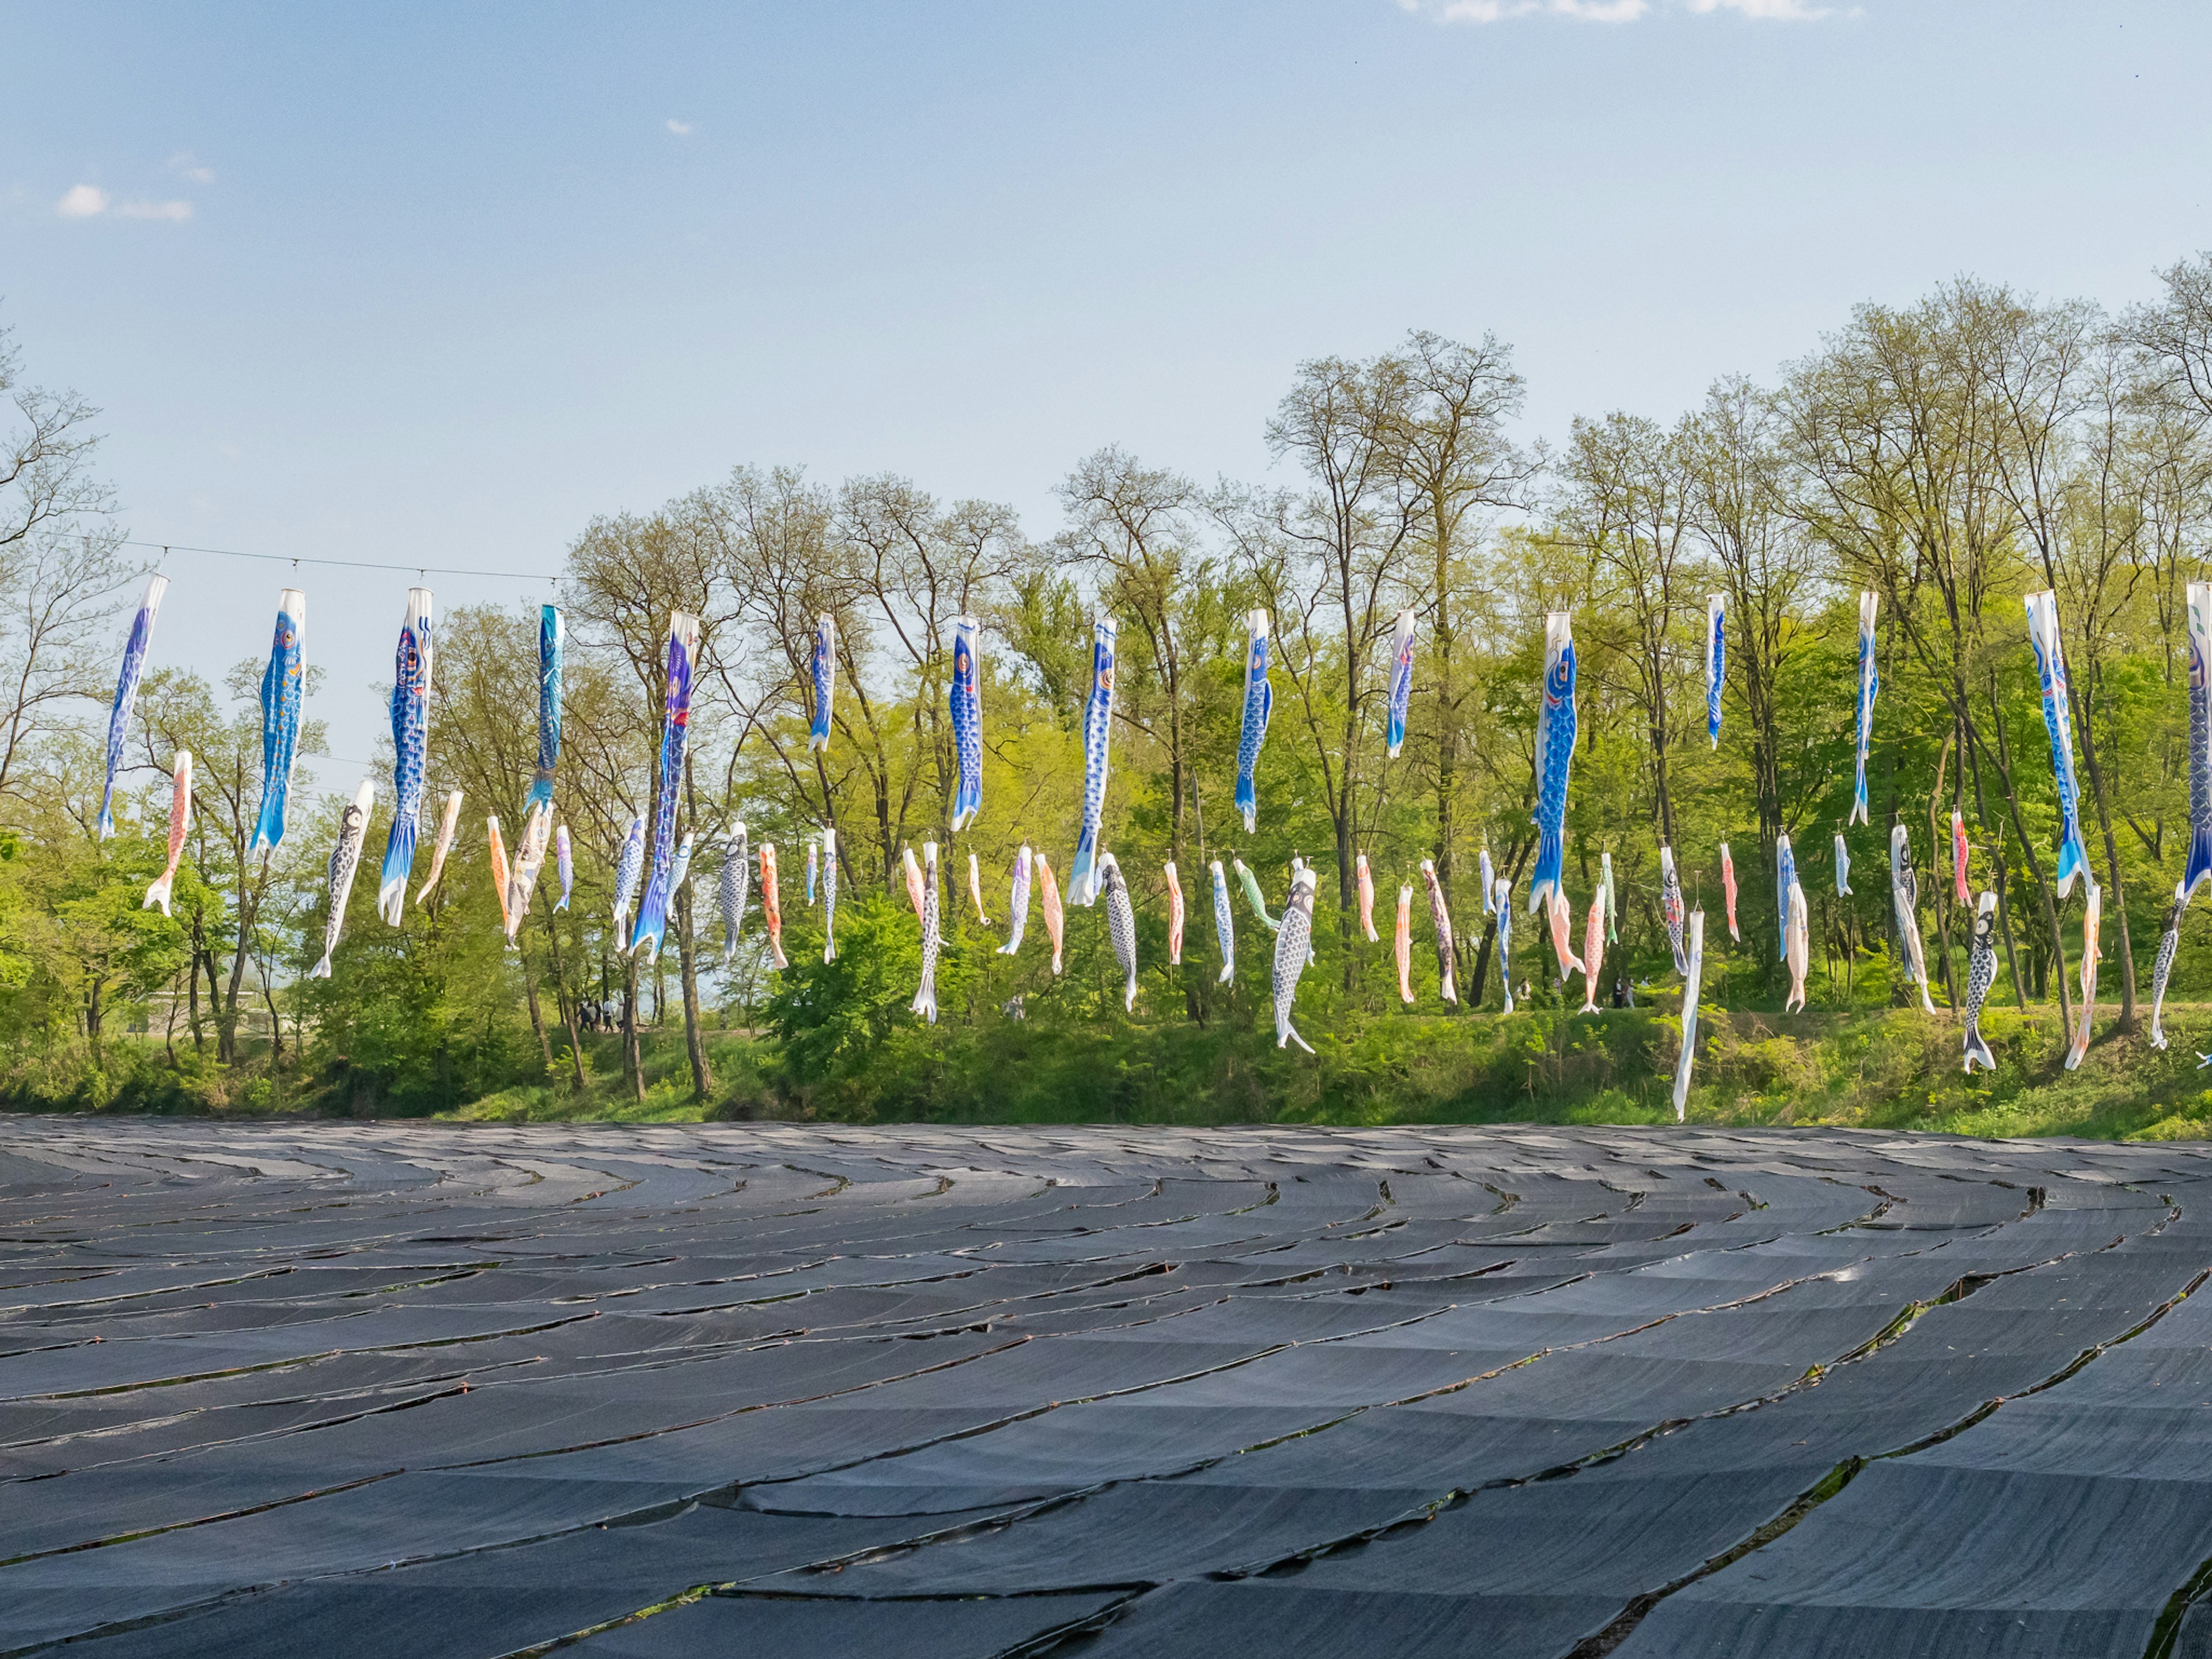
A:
(1792, 11)
(681, 129)
(90, 202)
(184, 166)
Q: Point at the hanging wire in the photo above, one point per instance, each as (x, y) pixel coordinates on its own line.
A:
(296, 560)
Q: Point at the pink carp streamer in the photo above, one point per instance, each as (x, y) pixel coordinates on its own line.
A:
(1175, 915)
(1728, 889)
(1401, 943)
(1055, 920)
(771, 908)
(180, 819)
(2093, 917)
(1562, 934)
(1593, 949)
(1959, 891)
(1367, 900)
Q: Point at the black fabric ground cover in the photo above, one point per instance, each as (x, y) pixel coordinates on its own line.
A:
(357, 1388)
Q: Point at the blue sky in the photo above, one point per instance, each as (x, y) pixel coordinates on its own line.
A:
(414, 283)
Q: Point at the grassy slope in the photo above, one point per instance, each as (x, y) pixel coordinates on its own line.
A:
(1889, 1069)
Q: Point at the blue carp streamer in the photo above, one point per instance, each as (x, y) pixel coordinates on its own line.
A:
(1785, 877)
(549, 636)
(1555, 751)
(1401, 682)
(1869, 684)
(283, 684)
(675, 730)
(410, 746)
(967, 725)
(1097, 729)
(1715, 664)
(1259, 703)
(126, 694)
(825, 679)
(2058, 723)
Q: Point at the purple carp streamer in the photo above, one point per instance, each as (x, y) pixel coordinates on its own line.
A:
(1555, 751)
(411, 747)
(1401, 683)
(825, 680)
(1098, 730)
(967, 725)
(1259, 704)
(830, 895)
(180, 821)
(1691, 984)
(813, 870)
(2198, 870)
(1293, 947)
(1785, 877)
(284, 684)
(675, 731)
(1224, 925)
(1504, 897)
(1447, 954)
(1869, 684)
(446, 827)
(126, 694)
(551, 633)
(345, 859)
(1716, 663)
(2058, 725)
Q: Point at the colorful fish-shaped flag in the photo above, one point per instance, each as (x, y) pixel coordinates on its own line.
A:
(2093, 917)
(1981, 974)
(565, 861)
(529, 859)
(1612, 899)
(180, 820)
(1869, 684)
(730, 891)
(1366, 889)
(825, 679)
(2058, 724)
(1402, 943)
(1785, 877)
(549, 635)
(1503, 898)
(1293, 943)
(1555, 751)
(1716, 663)
(967, 725)
(345, 859)
(1447, 953)
(814, 870)
(1097, 729)
(1017, 901)
(1905, 900)
(1055, 920)
(1728, 891)
(2168, 942)
(683, 871)
(630, 864)
(126, 694)
(772, 904)
(925, 995)
(913, 869)
(446, 827)
(1562, 935)
(1670, 908)
(1592, 951)
(1120, 927)
(1250, 883)
(1692, 982)
(1175, 915)
(1959, 891)
(1401, 682)
(975, 887)
(1796, 945)
(410, 749)
(2198, 869)
(675, 732)
(1259, 703)
(830, 895)
(284, 684)
(1225, 925)
(1843, 867)
(502, 877)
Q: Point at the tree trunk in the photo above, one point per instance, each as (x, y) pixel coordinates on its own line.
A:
(633, 1055)
(702, 1079)
(536, 1018)
(566, 1002)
